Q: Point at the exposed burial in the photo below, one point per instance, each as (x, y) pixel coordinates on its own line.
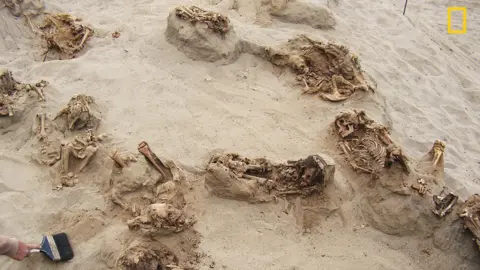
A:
(328, 70)
(202, 35)
(260, 180)
(151, 190)
(15, 97)
(64, 35)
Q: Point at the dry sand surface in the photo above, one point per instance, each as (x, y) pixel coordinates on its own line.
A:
(191, 94)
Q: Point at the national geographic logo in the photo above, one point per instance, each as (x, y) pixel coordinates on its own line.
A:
(463, 11)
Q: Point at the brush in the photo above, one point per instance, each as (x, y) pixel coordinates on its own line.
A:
(57, 247)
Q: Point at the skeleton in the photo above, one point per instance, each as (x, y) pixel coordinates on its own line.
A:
(63, 34)
(325, 69)
(147, 256)
(470, 212)
(78, 113)
(82, 148)
(160, 218)
(216, 22)
(11, 90)
(259, 180)
(366, 144)
(138, 183)
(444, 203)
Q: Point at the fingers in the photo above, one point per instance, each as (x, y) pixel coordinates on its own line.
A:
(33, 246)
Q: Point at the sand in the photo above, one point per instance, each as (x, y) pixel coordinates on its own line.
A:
(188, 109)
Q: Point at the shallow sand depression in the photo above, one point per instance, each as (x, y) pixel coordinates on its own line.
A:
(147, 88)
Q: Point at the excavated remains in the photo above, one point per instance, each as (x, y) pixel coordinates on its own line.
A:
(216, 22)
(202, 35)
(404, 204)
(470, 212)
(326, 69)
(78, 152)
(81, 112)
(151, 191)
(366, 144)
(15, 98)
(69, 154)
(407, 196)
(11, 90)
(64, 35)
(260, 180)
(444, 203)
(147, 256)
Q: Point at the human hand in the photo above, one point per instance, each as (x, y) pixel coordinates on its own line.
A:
(24, 250)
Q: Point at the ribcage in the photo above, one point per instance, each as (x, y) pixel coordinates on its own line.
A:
(376, 150)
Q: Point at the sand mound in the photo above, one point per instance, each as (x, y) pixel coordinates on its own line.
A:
(260, 180)
(15, 99)
(202, 35)
(302, 13)
(328, 70)
(147, 256)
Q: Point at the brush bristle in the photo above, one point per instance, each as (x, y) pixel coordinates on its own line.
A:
(63, 246)
(57, 247)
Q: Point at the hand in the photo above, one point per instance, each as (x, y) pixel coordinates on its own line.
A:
(24, 250)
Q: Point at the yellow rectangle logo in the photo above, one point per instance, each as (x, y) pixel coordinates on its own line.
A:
(464, 20)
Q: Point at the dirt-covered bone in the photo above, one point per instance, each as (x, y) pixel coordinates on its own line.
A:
(444, 203)
(136, 184)
(401, 204)
(260, 180)
(160, 219)
(76, 154)
(366, 144)
(79, 113)
(11, 90)
(64, 35)
(470, 212)
(39, 128)
(122, 159)
(326, 69)
(215, 21)
(433, 162)
(151, 157)
(202, 35)
(420, 186)
(147, 256)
